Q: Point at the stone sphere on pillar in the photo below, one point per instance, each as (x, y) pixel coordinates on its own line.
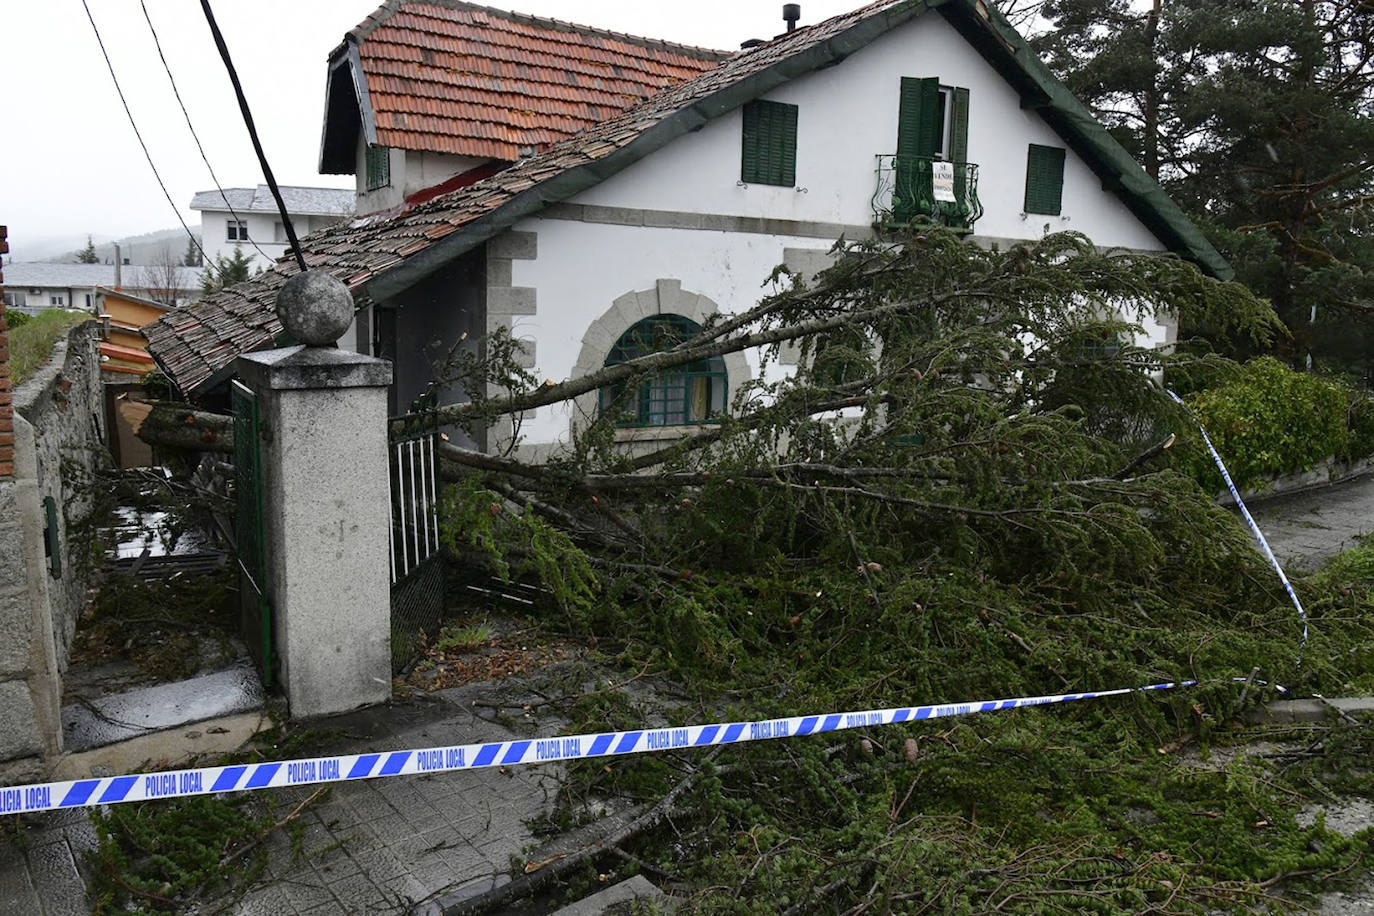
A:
(315, 308)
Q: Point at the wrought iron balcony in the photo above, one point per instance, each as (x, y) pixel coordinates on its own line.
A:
(922, 189)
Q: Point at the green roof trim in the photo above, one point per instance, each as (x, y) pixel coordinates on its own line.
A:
(698, 113)
(1003, 47)
(982, 25)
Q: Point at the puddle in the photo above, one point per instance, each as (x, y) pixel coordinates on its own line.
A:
(117, 717)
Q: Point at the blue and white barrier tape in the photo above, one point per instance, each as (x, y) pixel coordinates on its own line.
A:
(84, 793)
(1254, 528)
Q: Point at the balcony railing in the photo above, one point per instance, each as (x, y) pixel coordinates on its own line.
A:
(922, 189)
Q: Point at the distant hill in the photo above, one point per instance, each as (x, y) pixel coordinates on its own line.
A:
(138, 249)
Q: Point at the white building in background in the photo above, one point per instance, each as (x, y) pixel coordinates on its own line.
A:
(34, 287)
(248, 219)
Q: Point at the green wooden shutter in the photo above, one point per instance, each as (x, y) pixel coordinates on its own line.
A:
(769, 148)
(1045, 179)
(958, 127)
(918, 117)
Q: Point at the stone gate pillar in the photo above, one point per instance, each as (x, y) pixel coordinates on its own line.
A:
(326, 503)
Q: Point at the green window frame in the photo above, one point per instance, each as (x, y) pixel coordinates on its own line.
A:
(769, 148)
(681, 396)
(1045, 179)
(378, 167)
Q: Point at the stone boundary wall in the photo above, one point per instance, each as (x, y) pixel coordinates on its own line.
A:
(1327, 473)
(54, 436)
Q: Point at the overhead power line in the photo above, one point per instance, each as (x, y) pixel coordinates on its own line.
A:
(191, 127)
(252, 131)
(137, 133)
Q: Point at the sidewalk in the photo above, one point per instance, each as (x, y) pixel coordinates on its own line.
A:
(374, 846)
(1306, 529)
(385, 846)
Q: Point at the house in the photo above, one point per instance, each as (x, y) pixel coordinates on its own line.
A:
(677, 206)
(248, 219)
(33, 287)
(124, 349)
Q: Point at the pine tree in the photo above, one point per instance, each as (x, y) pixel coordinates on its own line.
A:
(87, 255)
(192, 256)
(226, 271)
(1258, 117)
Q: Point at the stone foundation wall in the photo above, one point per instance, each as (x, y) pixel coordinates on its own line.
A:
(57, 437)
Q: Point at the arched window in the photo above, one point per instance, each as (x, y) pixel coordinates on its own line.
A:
(694, 393)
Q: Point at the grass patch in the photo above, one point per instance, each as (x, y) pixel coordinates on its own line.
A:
(32, 341)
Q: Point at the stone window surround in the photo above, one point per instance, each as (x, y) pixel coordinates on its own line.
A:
(665, 297)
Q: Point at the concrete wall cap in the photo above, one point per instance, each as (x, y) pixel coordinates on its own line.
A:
(301, 367)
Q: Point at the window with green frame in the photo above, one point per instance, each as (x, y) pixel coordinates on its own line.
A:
(378, 167)
(769, 149)
(694, 393)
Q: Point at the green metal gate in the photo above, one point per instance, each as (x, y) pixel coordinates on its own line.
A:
(249, 531)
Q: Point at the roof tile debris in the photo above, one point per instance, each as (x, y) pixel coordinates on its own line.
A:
(453, 77)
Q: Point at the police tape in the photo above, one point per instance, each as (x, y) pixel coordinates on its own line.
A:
(1249, 520)
(109, 790)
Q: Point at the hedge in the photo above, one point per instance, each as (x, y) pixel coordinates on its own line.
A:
(1270, 420)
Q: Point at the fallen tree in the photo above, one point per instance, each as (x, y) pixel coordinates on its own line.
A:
(964, 491)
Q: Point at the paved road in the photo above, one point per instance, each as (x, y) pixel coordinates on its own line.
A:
(1306, 529)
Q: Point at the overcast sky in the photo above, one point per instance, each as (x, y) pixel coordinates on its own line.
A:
(71, 165)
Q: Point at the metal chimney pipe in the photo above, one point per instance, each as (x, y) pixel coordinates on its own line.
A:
(118, 263)
(791, 12)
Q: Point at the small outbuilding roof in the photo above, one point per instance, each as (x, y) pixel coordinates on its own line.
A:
(381, 255)
(41, 275)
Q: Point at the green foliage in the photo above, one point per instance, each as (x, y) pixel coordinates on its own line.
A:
(32, 340)
(16, 319)
(462, 639)
(1257, 119)
(158, 857)
(518, 544)
(192, 256)
(87, 255)
(966, 530)
(226, 271)
(1271, 420)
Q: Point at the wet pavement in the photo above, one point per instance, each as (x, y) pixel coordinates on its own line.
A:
(400, 845)
(119, 716)
(1305, 529)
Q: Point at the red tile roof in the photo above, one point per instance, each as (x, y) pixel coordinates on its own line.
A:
(194, 346)
(452, 77)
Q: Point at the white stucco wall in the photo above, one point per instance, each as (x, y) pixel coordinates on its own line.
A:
(411, 171)
(847, 115)
(583, 267)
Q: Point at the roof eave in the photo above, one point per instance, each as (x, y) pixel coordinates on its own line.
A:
(345, 64)
(579, 178)
(1003, 47)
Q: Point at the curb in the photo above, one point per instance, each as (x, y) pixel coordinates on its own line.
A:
(1317, 709)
